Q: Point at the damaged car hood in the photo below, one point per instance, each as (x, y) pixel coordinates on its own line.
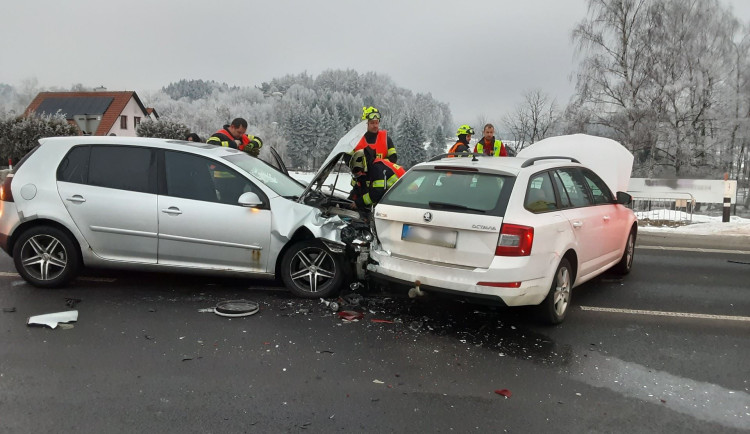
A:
(344, 146)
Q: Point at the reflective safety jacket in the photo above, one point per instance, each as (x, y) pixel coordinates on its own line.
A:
(459, 146)
(222, 138)
(497, 150)
(380, 143)
(370, 187)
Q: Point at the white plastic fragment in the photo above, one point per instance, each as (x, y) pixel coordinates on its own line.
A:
(52, 319)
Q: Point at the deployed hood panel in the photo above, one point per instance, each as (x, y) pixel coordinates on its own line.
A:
(344, 146)
(606, 157)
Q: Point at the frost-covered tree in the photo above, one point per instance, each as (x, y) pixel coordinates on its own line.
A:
(163, 129)
(410, 141)
(20, 134)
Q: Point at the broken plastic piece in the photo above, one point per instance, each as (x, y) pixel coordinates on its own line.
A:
(52, 319)
(331, 305)
(504, 392)
(384, 321)
(71, 302)
(416, 291)
(350, 315)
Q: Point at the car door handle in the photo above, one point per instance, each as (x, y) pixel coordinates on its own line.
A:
(77, 199)
(577, 224)
(606, 218)
(173, 210)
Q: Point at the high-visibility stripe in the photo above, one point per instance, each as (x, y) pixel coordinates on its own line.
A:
(366, 199)
(392, 180)
(380, 183)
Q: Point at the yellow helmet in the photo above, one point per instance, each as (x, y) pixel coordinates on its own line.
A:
(370, 113)
(358, 162)
(464, 129)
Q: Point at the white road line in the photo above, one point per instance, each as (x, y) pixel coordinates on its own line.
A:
(695, 249)
(7, 274)
(661, 313)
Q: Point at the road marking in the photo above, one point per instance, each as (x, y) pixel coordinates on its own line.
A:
(84, 278)
(662, 313)
(695, 249)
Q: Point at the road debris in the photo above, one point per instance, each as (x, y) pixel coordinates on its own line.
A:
(9, 309)
(351, 315)
(72, 302)
(236, 308)
(504, 392)
(334, 306)
(52, 319)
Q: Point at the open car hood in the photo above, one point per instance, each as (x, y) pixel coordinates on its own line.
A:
(344, 146)
(606, 157)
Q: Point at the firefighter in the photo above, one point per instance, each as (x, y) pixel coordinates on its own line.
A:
(488, 145)
(234, 136)
(376, 138)
(464, 134)
(371, 177)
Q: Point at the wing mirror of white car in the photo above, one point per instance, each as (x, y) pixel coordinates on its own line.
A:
(623, 198)
(249, 199)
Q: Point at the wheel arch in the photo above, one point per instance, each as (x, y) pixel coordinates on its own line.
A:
(302, 233)
(572, 258)
(25, 226)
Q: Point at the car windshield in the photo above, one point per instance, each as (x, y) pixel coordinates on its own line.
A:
(268, 175)
(459, 191)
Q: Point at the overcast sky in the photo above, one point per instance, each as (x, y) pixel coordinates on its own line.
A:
(479, 56)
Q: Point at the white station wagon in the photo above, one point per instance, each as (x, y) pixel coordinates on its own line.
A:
(516, 230)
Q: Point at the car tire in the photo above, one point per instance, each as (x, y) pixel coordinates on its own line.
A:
(555, 306)
(46, 257)
(310, 270)
(626, 262)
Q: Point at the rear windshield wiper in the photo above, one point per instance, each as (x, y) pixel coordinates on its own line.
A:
(445, 205)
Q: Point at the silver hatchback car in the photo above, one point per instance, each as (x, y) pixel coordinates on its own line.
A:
(153, 204)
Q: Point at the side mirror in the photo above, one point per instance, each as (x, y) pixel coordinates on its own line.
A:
(249, 199)
(624, 198)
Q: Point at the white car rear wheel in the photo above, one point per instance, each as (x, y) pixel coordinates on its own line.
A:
(555, 306)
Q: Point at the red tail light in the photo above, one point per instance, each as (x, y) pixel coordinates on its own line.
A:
(501, 284)
(5, 194)
(515, 240)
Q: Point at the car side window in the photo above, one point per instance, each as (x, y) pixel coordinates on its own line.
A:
(123, 167)
(599, 189)
(575, 187)
(564, 199)
(74, 167)
(193, 177)
(540, 195)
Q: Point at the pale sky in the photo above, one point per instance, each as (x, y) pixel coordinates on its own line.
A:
(479, 56)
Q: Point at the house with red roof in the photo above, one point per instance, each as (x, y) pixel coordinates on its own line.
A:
(98, 113)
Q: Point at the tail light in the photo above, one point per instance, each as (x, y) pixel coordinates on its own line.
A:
(515, 240)
(6, 195)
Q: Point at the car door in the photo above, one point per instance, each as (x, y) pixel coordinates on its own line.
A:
(585, 219)
(201, 225)
(110, 193)
(615, 224)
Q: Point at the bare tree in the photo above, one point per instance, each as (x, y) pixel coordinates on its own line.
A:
(533, 119)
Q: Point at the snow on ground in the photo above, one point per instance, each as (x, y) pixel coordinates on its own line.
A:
(697, 225)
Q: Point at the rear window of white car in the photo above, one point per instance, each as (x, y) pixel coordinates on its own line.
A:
(452, 190)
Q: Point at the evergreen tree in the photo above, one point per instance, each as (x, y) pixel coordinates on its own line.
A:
(411, 141)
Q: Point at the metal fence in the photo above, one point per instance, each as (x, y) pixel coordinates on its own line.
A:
(664, 207)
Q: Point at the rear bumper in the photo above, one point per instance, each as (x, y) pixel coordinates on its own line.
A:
(9, 221)
(462, 282)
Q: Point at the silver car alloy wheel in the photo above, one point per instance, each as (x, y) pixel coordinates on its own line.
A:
(311, 268)
(562, 291)
(629, 250)
(44, 257)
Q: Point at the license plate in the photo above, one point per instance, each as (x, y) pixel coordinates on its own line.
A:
(431, 236)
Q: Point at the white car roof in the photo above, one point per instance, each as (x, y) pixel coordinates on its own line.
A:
(180, 145)
(508, 165)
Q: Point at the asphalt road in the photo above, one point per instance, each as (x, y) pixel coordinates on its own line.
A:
(664, 349)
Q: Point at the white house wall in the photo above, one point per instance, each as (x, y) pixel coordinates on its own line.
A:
(131, 110)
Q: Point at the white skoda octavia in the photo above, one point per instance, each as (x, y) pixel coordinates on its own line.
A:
(518, 230)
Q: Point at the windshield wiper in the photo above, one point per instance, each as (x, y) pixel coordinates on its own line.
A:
(444, 205)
